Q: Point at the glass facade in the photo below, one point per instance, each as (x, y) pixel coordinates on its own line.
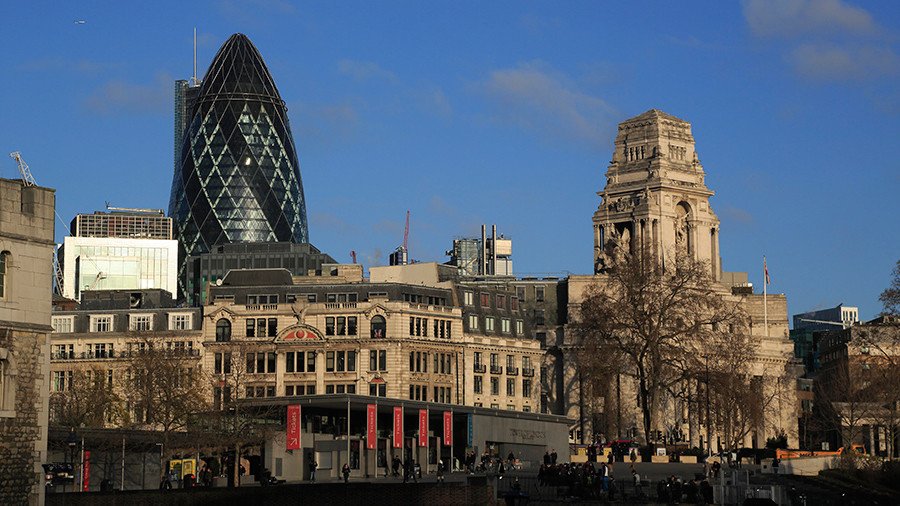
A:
(239, 178)
(118, 264)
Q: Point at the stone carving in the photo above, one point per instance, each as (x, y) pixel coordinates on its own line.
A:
(613, 251)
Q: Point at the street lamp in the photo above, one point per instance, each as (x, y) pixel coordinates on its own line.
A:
(72, 443)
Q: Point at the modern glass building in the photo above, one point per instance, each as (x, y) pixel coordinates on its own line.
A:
(239, 178)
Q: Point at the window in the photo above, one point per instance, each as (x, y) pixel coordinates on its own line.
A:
(520, 328)
(378, 389)
(494, 359)
(180, 321)
(223, 330)
(140, 322)
(222, 363)
(271, 361)
(62, 324)
(514, 303)
(478, 356)
(485, 299)
(62, 380)
(377, 360)
(63, 351)
(501, 301)
(526, 362)
(510, 387)
(473, 322)
(526, 388)
(504, 325)
(520, 293)
(251, 327)
(510, 361)
(468, 298)
(329, 362)
(539, 317)
(310, 363)
(273, 327)
(539, 294)
(379, 327)
(479, 384)
(488, 324)
(329, 326)
(4, 264)
(495, 386)
(101, 323)
(351, 325)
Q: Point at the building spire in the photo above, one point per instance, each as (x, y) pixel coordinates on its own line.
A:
(194, 76)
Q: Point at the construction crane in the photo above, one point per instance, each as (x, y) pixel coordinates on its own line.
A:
(27, 178)
(400, 256)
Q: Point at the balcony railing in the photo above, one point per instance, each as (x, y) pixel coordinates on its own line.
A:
(496, 369)
(512, 371)
(528, 372)
(479, 368)
(261, 307)
(340, 305)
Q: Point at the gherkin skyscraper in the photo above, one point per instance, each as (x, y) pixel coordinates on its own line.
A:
(239, 178)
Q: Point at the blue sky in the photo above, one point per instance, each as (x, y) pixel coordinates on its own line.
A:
(497, 112)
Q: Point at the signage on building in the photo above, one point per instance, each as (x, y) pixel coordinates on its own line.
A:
(293, 427)
(371, 426)
(398, 427)
(469, 429)
(86, 471)
(448, 428)
(423, 427)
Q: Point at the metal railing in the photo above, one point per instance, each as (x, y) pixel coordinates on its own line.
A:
(496, 369)
(528, 372)
(479, 368)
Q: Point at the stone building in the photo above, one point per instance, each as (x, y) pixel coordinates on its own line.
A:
(857, 394)
(26, 260)
(269, 334)
(103, 340)
(655, 200)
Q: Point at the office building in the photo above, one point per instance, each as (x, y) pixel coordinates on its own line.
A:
(124, 249)
(239, 178)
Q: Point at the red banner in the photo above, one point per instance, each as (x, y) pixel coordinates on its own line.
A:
(423, 427)
(86, 471)
(398, 427)
(371, 426)
(293, 427)
(448, 428)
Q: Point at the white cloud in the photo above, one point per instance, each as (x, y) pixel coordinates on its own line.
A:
(546, 102)
(835, 63)
(365, 70)
(117, 96)
(793, 18)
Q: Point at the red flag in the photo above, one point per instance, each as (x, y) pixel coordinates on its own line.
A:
(371, 426)
(293, 427)
(398, 427)
(766, 270)
(86, 471)
(423, 427)
(448, 428)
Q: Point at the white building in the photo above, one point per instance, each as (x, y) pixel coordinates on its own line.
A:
(120, 250)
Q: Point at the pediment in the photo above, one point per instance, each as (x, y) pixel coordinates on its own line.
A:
(299, 333)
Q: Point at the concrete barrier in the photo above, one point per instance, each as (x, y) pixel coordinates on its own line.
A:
(659, 459)
(687, 459)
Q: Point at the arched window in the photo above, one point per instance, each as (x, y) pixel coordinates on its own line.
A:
(4, 268)
(223, 330)
(379, 327)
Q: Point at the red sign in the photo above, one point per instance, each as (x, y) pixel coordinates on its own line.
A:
(86, 471)
(398, 427)
(423, 427)
(293, 427)
(371, 426)
(448, 428)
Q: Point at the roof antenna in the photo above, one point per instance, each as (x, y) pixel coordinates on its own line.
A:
(194, 77)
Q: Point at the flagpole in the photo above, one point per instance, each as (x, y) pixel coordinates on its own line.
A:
(765, 302)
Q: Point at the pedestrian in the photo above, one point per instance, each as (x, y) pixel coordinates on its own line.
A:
(346, 472)
(553, 457)
(636, 479)
(440, 471)
(313, 465)
(547, 458)
(395, 466)
(633, 455)
(604, 475)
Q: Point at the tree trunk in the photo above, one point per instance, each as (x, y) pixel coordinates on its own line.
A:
(237, 464)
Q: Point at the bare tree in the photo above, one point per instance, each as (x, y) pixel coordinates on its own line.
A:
(90, 399)
(890, 297)
(650, 324)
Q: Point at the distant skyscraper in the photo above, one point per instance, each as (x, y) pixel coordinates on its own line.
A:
(239, 178)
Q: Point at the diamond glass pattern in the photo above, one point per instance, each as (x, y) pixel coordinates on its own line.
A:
(239, 179)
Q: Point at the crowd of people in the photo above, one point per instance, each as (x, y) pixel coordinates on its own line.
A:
(587, 480)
